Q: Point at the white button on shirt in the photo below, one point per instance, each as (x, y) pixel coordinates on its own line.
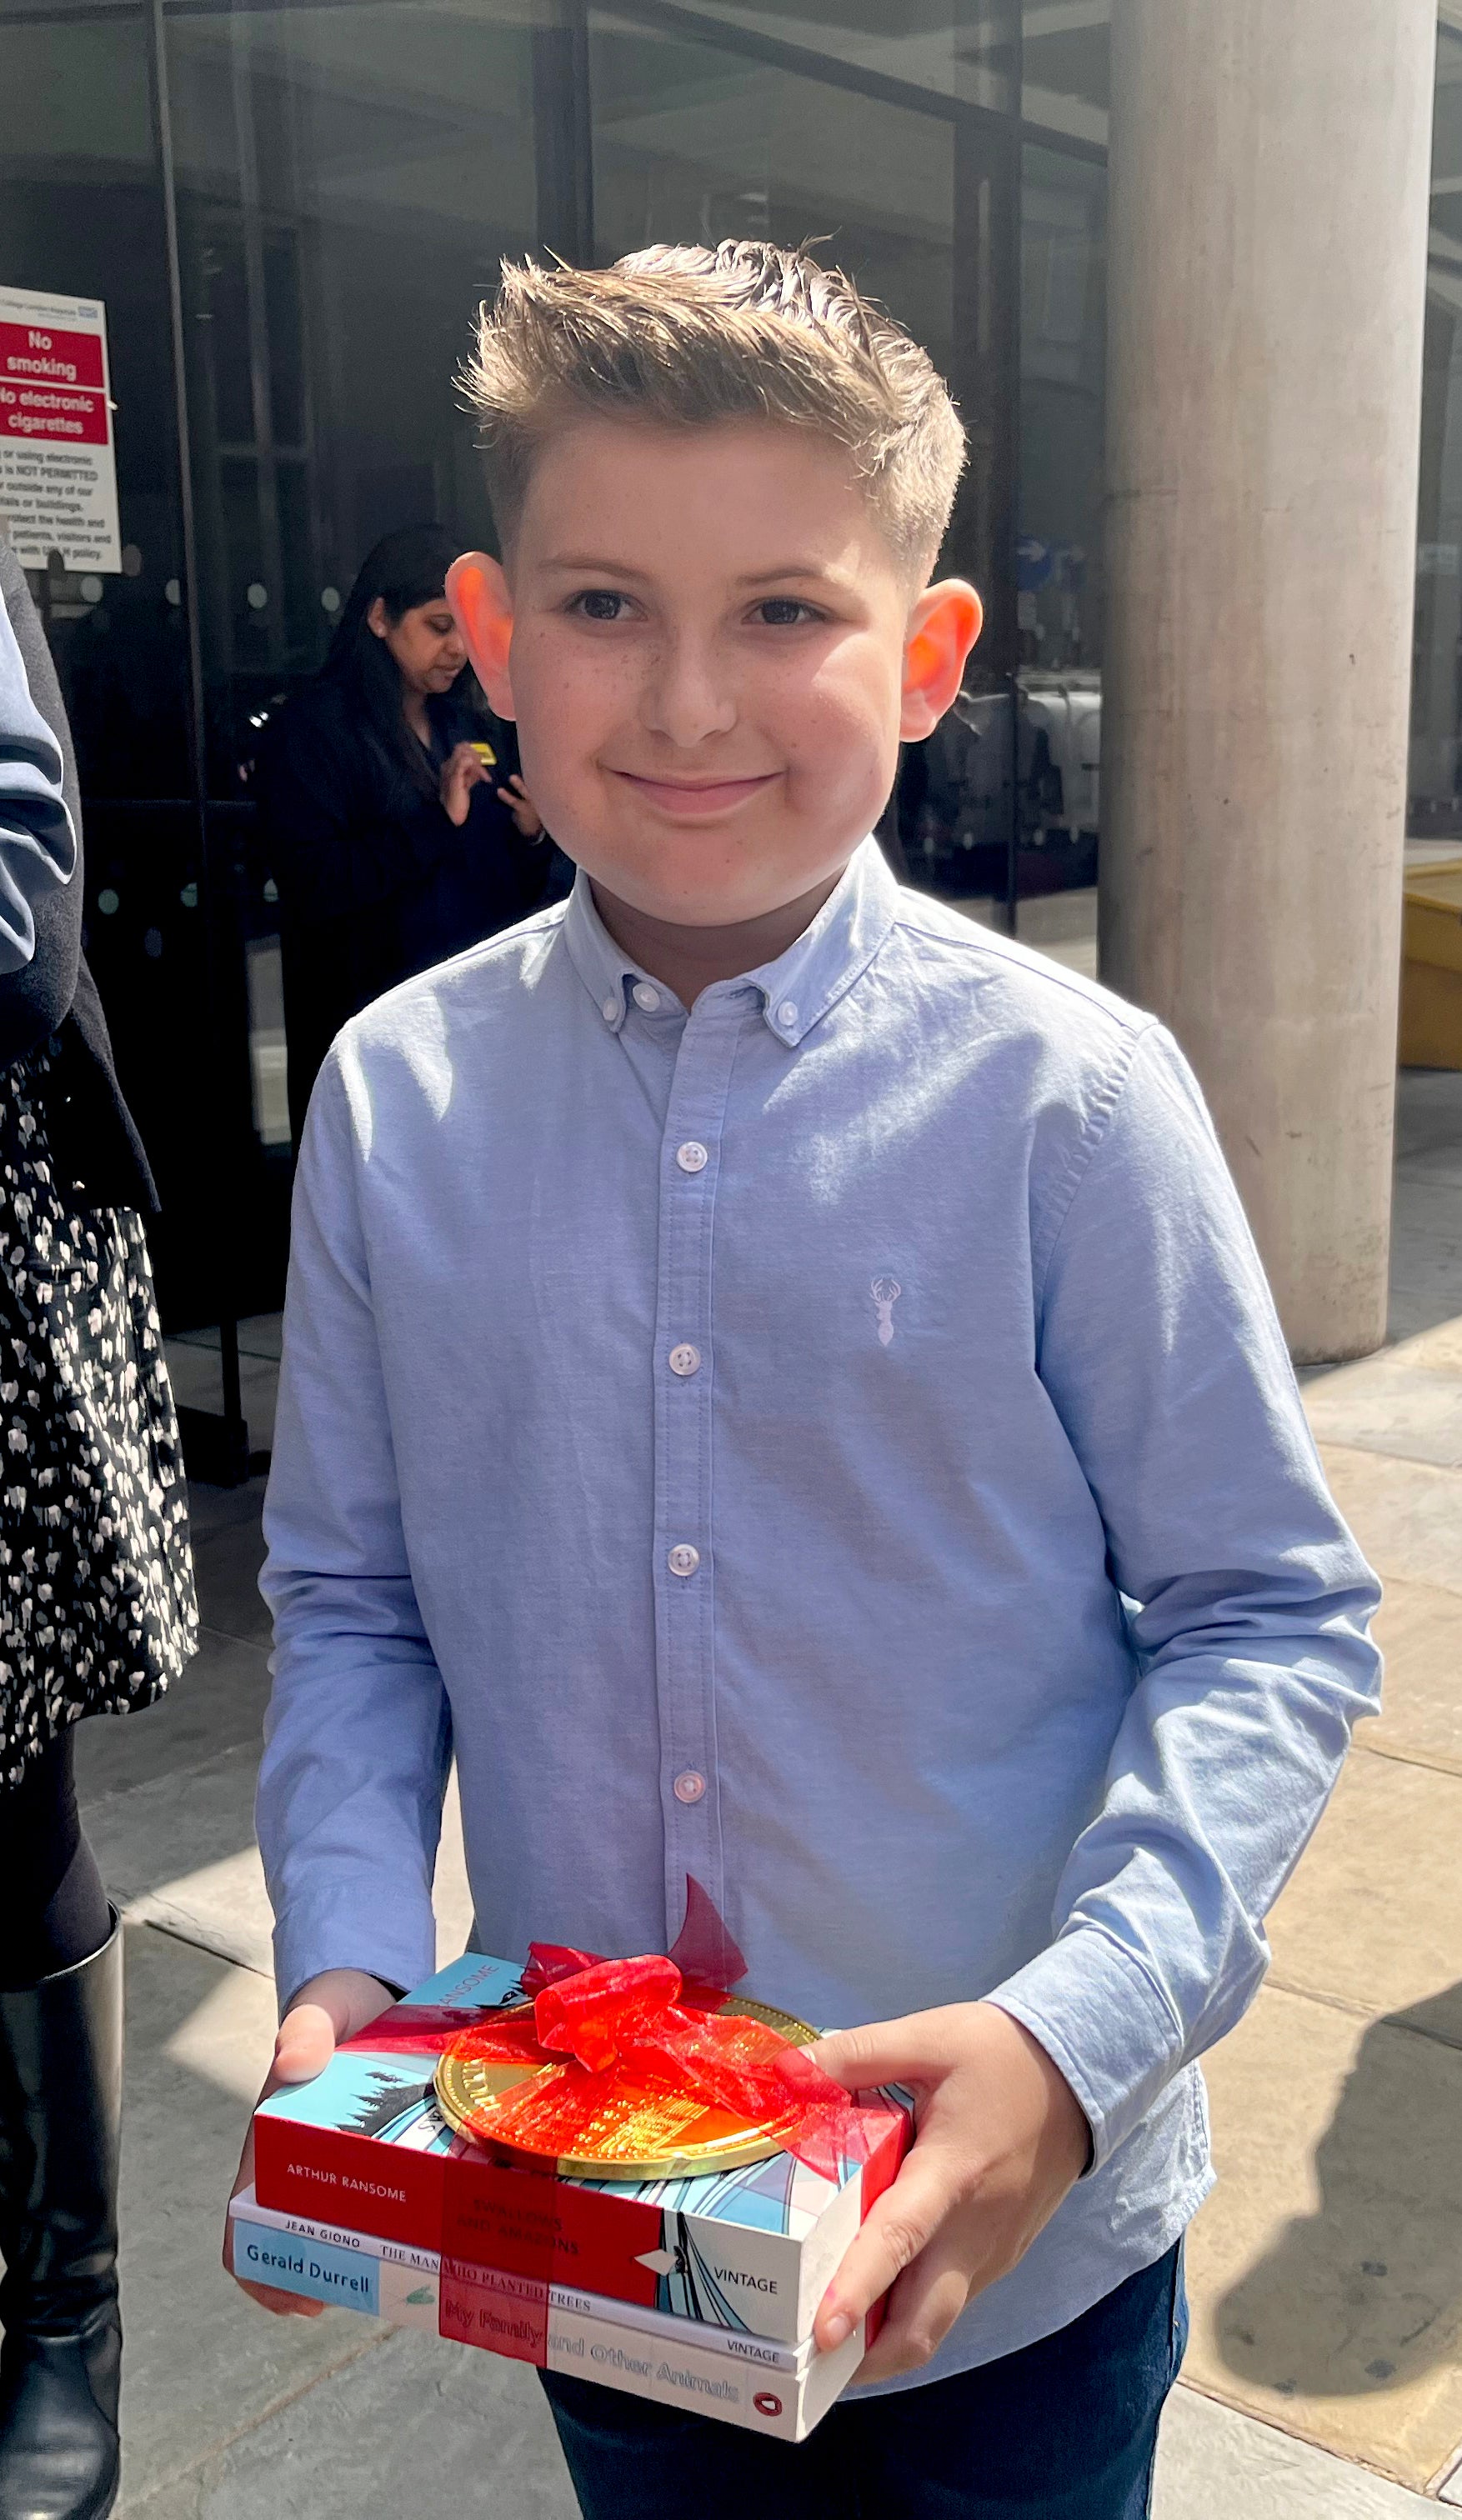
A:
(787, 1014)
(645, 997)
(683, 1560)
(685, 1360)
(609, 1009)
(692, 1157)
(690, 1787)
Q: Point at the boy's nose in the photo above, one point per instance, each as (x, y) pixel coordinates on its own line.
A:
(685, 698)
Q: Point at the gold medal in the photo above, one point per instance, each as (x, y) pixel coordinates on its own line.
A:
(637, 2135)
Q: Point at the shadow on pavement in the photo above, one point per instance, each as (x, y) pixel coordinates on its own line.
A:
(1365, 2293)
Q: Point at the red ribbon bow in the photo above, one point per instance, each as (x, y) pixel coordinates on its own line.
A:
(655, 2025)
(613, 2027)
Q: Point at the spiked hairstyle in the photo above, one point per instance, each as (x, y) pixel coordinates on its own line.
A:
(684, 336)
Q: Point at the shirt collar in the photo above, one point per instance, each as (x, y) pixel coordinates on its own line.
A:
(796, 990)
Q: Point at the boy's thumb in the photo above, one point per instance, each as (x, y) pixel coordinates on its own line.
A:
(858, 2059)
(305, 2044)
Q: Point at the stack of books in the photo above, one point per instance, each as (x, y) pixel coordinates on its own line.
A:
(697, 2291)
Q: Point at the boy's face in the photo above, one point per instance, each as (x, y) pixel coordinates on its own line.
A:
(711, 653)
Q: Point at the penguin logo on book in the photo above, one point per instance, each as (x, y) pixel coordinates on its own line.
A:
(886, 1293)
(767, 2402)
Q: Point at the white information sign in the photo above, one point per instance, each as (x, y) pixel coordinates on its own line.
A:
(58, 471)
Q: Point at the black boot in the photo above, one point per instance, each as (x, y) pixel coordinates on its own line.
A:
(60, 2052)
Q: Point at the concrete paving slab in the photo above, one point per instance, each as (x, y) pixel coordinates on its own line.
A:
(1408, 1515)
(1420, 1633)
(179, 1853)
(219, 1704)
(1372, 1917)
(197, 1382)
(201, 2361)
(417, 2426)
(1429, 1111)
(228, 1551)
(1326, 2271)
(1408, 1400)
(1216, 2465)
(211, 1509)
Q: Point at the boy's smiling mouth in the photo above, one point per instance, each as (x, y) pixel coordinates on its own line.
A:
(696, 797)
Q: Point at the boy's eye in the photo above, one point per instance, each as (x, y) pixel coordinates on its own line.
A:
(785, 612)
(599, 603)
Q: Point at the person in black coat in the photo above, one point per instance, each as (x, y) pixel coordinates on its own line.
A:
(396, 826)
(97, 1607)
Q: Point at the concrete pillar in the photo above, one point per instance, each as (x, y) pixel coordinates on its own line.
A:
(1267, 254)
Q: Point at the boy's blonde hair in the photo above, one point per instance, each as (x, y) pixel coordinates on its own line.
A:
(687, 335)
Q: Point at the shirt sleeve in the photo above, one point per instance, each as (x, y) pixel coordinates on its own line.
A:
(37, 839)
(357, 1737)
(1247, 1600)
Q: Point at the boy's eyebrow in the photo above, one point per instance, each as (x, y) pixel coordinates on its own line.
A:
(595, 565)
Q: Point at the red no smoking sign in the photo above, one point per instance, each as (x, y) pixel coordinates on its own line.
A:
(52, 383)
(58, 476)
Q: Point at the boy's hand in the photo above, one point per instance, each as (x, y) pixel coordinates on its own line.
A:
(1001, 2140)
(327, 2009)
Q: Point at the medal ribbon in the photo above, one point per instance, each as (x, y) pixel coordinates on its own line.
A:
(604, 2029)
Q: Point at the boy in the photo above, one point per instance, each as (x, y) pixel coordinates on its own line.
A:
(778, 1380)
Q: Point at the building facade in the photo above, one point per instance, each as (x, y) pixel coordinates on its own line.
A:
(290, 209)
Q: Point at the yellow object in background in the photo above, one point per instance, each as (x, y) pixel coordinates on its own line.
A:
(1432, 966)
(485, 753)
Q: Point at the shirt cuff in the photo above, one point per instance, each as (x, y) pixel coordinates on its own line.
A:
(1106, 2025)
(399, 1946)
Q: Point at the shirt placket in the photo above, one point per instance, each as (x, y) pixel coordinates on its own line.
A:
(684, 1536)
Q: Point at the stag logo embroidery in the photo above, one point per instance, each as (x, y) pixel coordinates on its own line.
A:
(886, 1293)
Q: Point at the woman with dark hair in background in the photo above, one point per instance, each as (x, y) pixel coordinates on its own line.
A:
(396, 826)
(97, 1611)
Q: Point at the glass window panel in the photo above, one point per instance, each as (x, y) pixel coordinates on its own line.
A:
(1059, 555)
(693, 143)
(82, 212)
(348, 178)
(950, 51)
(1063, 68)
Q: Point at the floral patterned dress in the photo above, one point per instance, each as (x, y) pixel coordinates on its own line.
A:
(97, 1607)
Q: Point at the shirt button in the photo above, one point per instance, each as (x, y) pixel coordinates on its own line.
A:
(692, 1157)
(690, 1786)
(787, 1013)
(609, 1009)
(683, 1560)
(645, 997)
(685, 1360)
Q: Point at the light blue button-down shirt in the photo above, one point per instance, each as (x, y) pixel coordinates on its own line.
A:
(836, 1444)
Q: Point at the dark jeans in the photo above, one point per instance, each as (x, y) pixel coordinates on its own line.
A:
(1065, 2430)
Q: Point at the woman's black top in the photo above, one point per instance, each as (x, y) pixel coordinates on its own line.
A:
(93, 1137)
(374, 882)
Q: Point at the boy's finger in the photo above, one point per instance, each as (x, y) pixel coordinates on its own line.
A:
(305, 2044)
(900, 2226)
(923, 2307)
(285, 2305)
(879, 2052)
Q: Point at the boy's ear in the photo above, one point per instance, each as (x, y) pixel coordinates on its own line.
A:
(482, 608)
(944, 627)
